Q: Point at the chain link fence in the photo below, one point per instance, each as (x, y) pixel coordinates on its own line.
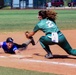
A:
(40, 4)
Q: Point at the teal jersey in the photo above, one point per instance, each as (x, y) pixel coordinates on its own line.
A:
(46, 26)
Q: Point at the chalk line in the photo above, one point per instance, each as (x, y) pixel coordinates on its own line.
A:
(3, 57)
(50, 62)
(43, 61)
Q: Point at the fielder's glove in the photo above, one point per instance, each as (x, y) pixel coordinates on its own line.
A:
(26, 34)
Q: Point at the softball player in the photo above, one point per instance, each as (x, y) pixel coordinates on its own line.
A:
(53, 35)
(13, 48)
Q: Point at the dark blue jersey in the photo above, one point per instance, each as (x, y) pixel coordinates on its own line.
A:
(11, 51)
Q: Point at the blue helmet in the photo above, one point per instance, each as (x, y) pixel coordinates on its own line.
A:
(9, 39)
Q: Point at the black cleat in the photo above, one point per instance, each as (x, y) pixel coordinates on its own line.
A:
(49, 56)
(24, 46)
(32, 40)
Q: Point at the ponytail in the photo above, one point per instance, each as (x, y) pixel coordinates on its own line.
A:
(51, 15)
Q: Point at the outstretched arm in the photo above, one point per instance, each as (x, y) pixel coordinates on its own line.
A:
(17, 52)
(29, 34)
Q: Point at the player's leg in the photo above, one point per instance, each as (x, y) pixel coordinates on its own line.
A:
(31, 40)
(63, 43)
(24, 45)
(45, 42)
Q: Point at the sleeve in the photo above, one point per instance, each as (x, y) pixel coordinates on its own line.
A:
(36, 28)
(15, 48)
(1, 43)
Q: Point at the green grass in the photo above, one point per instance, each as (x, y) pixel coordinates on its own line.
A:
(66, 19)
(13, 71)
(17, 20)
(22, 20)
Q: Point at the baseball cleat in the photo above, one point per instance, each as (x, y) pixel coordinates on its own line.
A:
(24, 46)
(49, 56)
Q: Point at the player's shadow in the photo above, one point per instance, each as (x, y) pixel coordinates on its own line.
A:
(63, 57)
(57, 56)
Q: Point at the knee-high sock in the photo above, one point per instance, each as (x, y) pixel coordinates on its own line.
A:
(28, 42)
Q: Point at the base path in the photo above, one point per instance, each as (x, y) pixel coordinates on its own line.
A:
(33, 57)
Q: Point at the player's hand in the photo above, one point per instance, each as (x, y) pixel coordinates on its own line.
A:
(27, 34)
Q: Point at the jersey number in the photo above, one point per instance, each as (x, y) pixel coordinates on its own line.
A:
(49, 23)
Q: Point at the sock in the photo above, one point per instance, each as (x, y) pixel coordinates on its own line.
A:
(28, 42)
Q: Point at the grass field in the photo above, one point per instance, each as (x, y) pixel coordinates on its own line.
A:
(13, 71)
(22, 20)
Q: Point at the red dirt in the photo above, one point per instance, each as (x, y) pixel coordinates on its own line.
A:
(34, 55)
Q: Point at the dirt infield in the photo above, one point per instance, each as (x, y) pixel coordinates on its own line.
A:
(33, 57)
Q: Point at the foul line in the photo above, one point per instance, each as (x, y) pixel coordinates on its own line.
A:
(44, 61)
(50, 62)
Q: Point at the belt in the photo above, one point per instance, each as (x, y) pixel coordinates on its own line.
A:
(50, 32)
(58, 31)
